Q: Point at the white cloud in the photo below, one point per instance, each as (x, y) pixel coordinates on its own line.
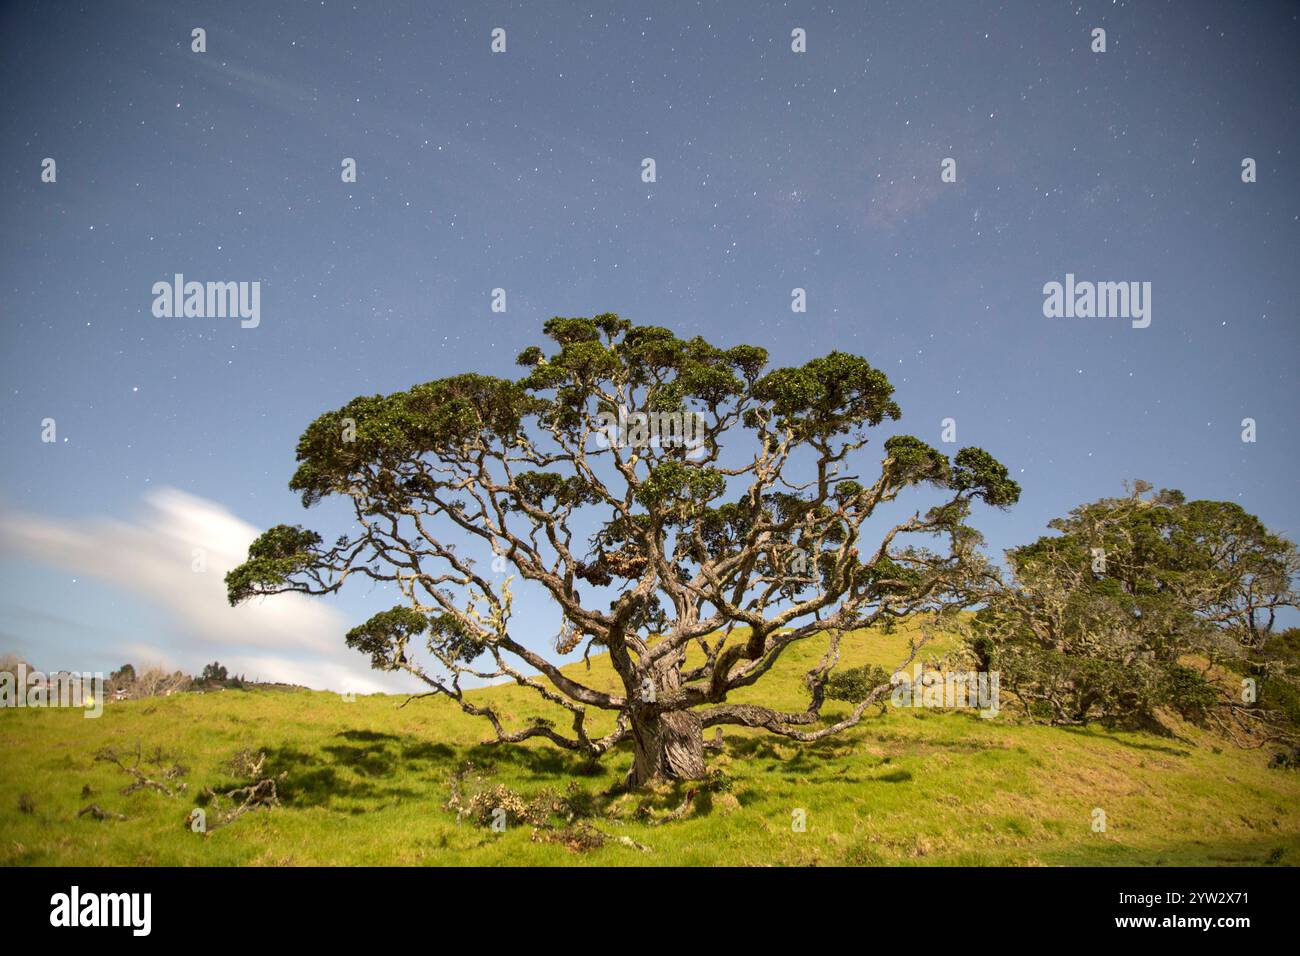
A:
(289, 637)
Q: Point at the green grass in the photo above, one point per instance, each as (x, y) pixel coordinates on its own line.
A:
(366, 782)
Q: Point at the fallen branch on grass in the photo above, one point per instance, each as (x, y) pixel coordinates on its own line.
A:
(142, 782)
(99, 813)
(261, 791)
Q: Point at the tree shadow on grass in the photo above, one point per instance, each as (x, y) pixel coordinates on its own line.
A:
(1094, 734)
(843, 776)
(765, 748)
(822, 761)
(544, 763)
(896, 776)
(359, 771)
(432, 753)
(1282, 849)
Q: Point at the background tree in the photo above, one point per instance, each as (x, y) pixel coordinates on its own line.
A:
(739, 554)
(213, 672)
(1101, 621)
(13, 664)
(150, 682)
(156, 682)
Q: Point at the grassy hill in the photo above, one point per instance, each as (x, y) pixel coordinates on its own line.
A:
(367, 782)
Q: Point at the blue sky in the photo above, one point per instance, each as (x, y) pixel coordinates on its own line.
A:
(522, 170)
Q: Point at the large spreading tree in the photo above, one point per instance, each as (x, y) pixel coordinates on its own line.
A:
(740, 542)
(1132, 606)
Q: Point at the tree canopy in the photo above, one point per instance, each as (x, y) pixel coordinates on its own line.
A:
(740, 541)
(1099, 621)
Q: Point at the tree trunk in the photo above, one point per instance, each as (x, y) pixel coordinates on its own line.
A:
(666, 747)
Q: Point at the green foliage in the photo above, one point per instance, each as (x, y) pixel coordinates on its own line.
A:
(1100, 619)
(674, 484)
(914, 461)
(377, 434)
(1188, 692)
(1078, 689)
(449, 636)
(856, 683)
(887, 576)
(976, 470)
(1278, 667)
(273, 558)
(828, 396)
(385, 636)
(214, 672)
(536, 488)
(670, 530)
(972, 470)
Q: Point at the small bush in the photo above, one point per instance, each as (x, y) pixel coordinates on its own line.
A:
(856, 683)
(1288, 759)
(1187, 692)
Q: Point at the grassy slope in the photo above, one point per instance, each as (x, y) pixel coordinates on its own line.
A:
(366, 783)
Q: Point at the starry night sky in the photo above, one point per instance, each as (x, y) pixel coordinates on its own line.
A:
(521, 170)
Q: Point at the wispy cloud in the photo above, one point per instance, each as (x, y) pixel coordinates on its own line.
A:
(286, 638)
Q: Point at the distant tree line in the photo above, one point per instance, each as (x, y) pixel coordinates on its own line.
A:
(214, 674)
(128, 683)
